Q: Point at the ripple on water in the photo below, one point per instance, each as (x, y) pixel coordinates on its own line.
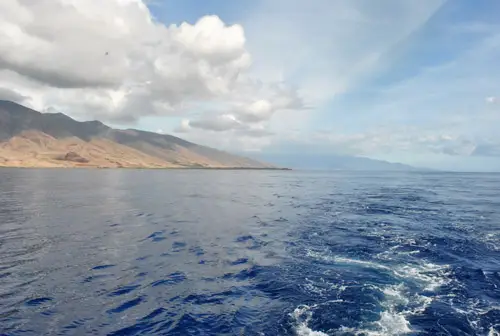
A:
(123, 290)
(171, 279)
(126, 305)
(38, 301)
(102, 267)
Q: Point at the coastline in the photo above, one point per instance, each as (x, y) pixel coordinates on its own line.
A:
(150, 168)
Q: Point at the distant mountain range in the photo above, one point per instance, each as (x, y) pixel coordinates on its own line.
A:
(305, 160)
(32, 139)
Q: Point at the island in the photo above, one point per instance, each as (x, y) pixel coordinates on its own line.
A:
(29, 138)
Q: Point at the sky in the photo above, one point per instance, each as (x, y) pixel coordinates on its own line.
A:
(416, 81)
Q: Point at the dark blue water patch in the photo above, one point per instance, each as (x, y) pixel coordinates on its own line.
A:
(158, 239)
(156, 236)
(143, 258)
(239, 261)
(243, 239)
(101, 267)
(48, 312)
(178, 245)
(147, 324)
(438, 319)
(171, 279)
(154, 314)
(38, 301)
(197, 250)
(123, 290)
(4, 275)
(126, 305)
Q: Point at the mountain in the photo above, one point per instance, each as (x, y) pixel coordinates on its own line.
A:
(307, 160)
(29, 138)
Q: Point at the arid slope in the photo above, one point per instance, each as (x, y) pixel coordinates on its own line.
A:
(32, 139)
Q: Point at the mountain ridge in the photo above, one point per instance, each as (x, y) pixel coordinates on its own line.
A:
(328, 161)
(29, 138)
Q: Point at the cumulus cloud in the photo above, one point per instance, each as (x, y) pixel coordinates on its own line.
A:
(250, 115)
(113, 61)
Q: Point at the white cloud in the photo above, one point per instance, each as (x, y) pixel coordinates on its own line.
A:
(184, 127)
(491, 100)
(219, 123)
(248, 115)
(112, 61)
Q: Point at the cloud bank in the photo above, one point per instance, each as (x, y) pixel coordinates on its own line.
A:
(111, 60)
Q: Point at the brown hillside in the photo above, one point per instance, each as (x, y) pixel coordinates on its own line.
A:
(32, 139)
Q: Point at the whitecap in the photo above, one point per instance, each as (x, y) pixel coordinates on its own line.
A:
(494, 332)
(431, 276)
(301, 316)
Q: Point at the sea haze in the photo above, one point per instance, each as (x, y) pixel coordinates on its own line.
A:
(191, 252)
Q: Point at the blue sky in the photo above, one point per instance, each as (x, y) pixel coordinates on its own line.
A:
(427, 97)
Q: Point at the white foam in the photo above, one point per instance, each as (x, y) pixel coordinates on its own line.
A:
(492, 240)
(325, 287)
(302, 315)
(431, 276)
(342, 260)
(393, 251)
(494, 332)
(368, 264)
(396, 294)
(399, 302)
(392, 323)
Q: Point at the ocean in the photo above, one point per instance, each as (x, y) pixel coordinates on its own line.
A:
(180, 252)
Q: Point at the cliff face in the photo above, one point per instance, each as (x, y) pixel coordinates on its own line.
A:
(29, 138)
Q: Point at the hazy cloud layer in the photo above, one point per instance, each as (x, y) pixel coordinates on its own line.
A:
(6, 94)
(406, 140)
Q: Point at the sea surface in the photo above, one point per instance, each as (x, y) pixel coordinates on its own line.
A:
(178, 252)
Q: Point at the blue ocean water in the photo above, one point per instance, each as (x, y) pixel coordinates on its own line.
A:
(154, 252)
